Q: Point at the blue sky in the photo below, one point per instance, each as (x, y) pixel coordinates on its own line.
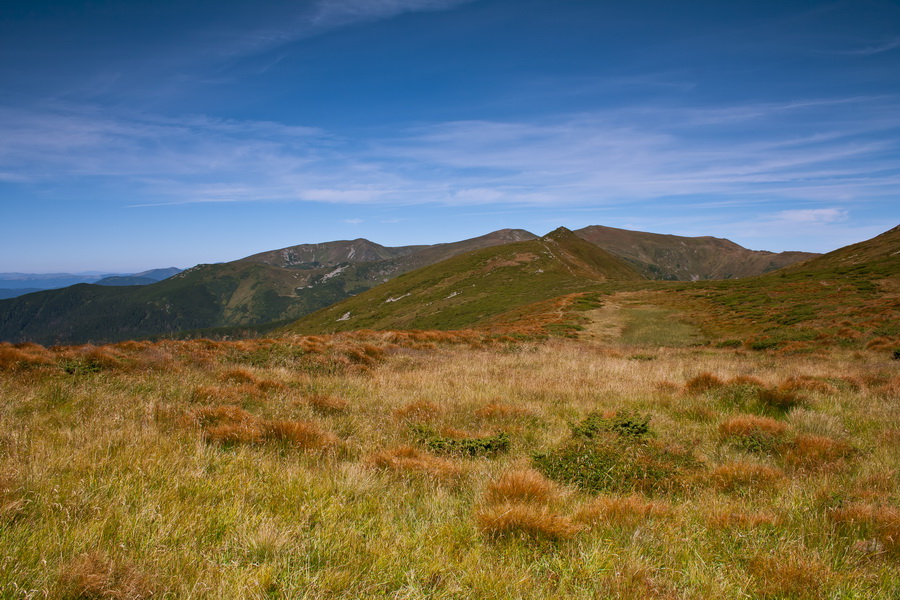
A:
(138, 134)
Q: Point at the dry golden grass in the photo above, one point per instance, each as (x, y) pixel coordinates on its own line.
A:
(406, 459)
(515, 518)
(418, 412)
(501, 411)
(113, 458)
(94, 575)
(622, 510)
(742, 475)
(522, 485)
(736, 518)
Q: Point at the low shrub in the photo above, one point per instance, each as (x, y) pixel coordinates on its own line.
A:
(623, 423)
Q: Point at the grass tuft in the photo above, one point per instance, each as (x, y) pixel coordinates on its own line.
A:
(96, 576)
(753, 433)
(522, 485)
(406, 459)
(529, 520)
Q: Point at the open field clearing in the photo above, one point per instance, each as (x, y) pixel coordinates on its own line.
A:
(441, 465)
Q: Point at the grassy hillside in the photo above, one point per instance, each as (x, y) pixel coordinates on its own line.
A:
(470, 289)
(672, 257)
(849, 297)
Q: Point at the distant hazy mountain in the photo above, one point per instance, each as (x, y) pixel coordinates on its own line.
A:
(17, 284)
(679, 258)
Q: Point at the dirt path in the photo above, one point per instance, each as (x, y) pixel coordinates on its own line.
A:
(631, 318)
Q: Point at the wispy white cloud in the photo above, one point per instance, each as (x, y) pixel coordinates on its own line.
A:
(871, 49)
(819, 153)
(353, 221)
(811, 215)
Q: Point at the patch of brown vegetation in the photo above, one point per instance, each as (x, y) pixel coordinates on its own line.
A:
(880, 521)
(530, 520)
(327, 404)
(789, 576)
(17, 357)
(94, 575)
(740, 475)
(231, 425)
(702, 383)
(634, 580)
(752, 426)
(523, 485)
(815, 451)
(410, 459)
(740, 519)
(622, 510)
(806, 383)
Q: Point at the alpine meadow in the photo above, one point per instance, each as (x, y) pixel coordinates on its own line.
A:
(534, 419)
(449, 300)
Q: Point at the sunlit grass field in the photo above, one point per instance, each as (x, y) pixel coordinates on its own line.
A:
(449, 465)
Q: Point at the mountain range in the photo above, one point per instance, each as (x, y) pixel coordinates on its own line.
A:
(279, 286)
(13, 285)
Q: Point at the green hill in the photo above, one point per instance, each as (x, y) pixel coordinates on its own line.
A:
(850, 296)
(472, 288)
(273, 286)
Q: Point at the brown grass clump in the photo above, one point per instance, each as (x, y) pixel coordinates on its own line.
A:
(736, 476)
(806, 383)
(23, 356)
(703, 382)
(326, 404)
(746, 380)
(208, 416)
(880, 343)
(881, 522)
(229, 434)
(95, 575)
(496, 410)
(523, 485)
(417, 411)
(815, 451)
(231, 425)
(622, 510)
(789, 576)
(636, 581)
(300, 434)
(752, 432)
(739, 519)
(508, 518)
(779, 399)
(409, 459)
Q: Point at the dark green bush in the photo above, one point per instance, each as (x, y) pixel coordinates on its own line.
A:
(623, 423)
(466, 446)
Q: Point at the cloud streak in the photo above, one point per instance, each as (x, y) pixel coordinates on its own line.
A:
(814, 152)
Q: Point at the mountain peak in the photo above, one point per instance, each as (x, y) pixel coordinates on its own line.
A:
(560, 233)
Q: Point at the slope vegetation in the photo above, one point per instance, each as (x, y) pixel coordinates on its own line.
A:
(470, 289)
(677, 258)
(273, 286)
